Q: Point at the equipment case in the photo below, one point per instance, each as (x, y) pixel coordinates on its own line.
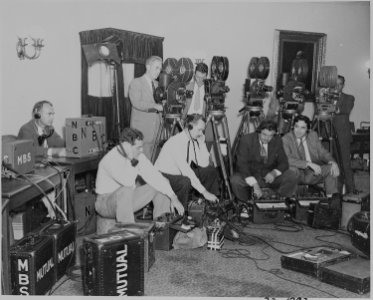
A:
(268, 211)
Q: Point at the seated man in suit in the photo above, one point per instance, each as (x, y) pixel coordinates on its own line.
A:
(40, 130)
(144, 114)
(180, 153)
(308, 158)
(118, 195)
(262, 162)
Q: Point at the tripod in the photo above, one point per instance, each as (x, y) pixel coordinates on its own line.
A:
(167, 128)
(251, 114)
(218, 117)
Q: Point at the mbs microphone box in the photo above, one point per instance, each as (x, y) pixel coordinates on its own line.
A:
(63, 234)
(85, 136)
(113, 264)
(147, 232)
(268, 211)
(352, 275)
(32, 265)
(18, 154)
(310, 261)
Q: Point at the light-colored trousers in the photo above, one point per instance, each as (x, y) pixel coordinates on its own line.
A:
(122, 203)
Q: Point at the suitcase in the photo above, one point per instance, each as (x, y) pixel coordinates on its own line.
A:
(309, 261)
(113, 264)
(32, 265)
(264, 212)
(352, 275)
(351, 204)
(147, 232)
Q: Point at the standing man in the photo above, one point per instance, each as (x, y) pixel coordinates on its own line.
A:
(40, 130)
(262, 162)
(308, 158)
(144, 114)
(118, 195)
(184, 161)
(341, 122)
(196, 104)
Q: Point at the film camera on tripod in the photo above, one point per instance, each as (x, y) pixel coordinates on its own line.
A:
(215, 88)
(328, 97)
(172, 91)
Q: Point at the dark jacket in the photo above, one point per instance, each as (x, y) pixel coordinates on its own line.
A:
(341, 120)
(250, 163)
(29, 131)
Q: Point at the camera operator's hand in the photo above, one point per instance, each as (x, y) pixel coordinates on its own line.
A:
(257, 190)
(316, 168)
(176, 206)
(210, 197)
(158, 107)
(270, 177)
(334, 170)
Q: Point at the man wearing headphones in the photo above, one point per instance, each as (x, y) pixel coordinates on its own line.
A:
(308, 158)
(118, 195)
(184, 161)
(40, 130)
(144, 114)
(262, 162)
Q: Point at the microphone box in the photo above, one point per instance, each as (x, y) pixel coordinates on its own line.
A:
(85, 136)
(19, 155)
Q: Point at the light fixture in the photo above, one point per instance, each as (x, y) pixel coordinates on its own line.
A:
(367, 65)
(30, 51)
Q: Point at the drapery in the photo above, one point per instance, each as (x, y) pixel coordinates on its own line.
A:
(136, 48)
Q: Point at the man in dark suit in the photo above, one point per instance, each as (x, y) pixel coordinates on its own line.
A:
(40, 130)
(341, 122)
(262, 162)
(144, 114)
(308, 158)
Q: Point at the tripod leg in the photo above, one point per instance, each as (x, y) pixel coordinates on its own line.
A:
(229, 148)
(240, 133)
(157, 141)
(220, 157)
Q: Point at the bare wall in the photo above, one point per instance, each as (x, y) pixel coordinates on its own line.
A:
(238, 30)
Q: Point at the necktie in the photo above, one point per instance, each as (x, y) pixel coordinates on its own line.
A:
(263, 153)
(197, 102)
(302, 152)
(153, 87)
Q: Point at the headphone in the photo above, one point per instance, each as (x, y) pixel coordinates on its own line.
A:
(267, 124)
(192, 119)
(303, 118)
(129, 135)
(37, 108)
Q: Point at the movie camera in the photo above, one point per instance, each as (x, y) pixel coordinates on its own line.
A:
(172, 92)
(257, 90)
(215, 88)
(328, 97)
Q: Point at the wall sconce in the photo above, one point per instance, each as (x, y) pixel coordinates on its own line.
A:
(29, 51)
(367, 65)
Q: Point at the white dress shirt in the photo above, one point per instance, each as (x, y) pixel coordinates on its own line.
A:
(173, 157)
(115, 171)
(201, 90)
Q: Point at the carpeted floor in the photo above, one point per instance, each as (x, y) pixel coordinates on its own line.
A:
(251, 268)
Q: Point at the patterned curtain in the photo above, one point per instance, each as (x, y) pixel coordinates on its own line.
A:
(137, 47)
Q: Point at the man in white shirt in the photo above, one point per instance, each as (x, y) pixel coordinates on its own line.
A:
(183, 150)
(118, 194)
(308, 158)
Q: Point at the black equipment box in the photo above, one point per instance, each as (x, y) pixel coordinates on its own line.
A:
(353, 203)
(197, 211)
(85, 213)
(352, 275)
(302, 210)
(32, 265)
(63, 234)
(310, 261)
(360, 231)
(165, 233)
(268, 211)
(325, 216)
(145, 231)
(113, 264)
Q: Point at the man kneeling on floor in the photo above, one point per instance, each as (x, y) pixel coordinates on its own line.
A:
(118, 194)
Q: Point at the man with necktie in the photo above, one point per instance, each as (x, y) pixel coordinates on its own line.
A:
(144, 114)
(308, 158)
(262, 162)
(184, 160)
